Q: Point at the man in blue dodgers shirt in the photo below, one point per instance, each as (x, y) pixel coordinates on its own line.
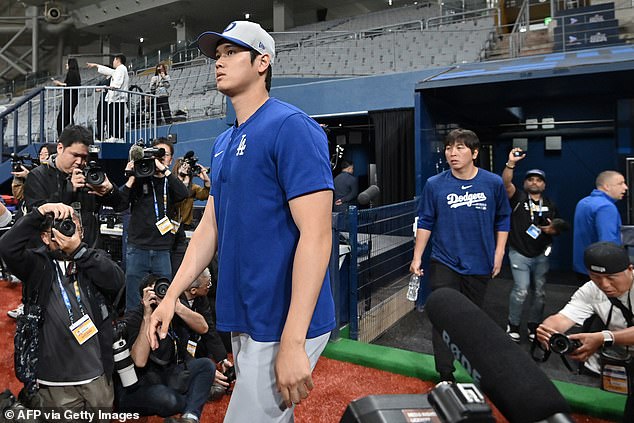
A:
(467, 210)
(269, 216)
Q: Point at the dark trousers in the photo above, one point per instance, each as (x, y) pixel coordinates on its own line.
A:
(163, 110)
(472, 286)
(149, 399)
(116, 119)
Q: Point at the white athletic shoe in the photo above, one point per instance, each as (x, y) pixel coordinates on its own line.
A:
(15, 313)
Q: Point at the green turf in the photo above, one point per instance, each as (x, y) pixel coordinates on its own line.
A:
(582, 399)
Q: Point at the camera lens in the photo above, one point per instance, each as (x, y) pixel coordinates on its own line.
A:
(66, 227)
(561, 344)
(144, 168)
(161, 286)
(123, 363)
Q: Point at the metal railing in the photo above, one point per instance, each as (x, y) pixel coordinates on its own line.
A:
(522, 23)
(381, 248)
(40, 115)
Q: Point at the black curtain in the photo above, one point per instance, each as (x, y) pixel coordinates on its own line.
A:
(394, 147)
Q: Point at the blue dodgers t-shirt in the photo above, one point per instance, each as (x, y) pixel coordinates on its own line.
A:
(278, 154)
(464, 216)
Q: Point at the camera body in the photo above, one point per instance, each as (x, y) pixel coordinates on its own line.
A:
(160, 287)
(65, 226)
(145, 167)
(562, 344)
(17, 162)
(194, 167)
(123, 363)
(94, 172)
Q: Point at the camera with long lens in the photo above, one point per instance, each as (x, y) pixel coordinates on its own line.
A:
(562, 344)
(160, 287)
(143, 157)
(94, 173)
(123, 363)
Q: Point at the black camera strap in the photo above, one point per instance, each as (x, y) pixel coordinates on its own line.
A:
(627, 312)
(536, 345)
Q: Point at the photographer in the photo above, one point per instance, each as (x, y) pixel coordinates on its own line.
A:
(171, 381)
(67, 287)
(208, 344)
(151, 229)
(20, 171)
(530, 240)
(608, 295)
(61, 179)
(186, 169)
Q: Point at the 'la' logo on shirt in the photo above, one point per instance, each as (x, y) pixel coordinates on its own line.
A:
(242, 146)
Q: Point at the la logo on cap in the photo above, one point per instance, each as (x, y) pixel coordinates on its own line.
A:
(597, 269)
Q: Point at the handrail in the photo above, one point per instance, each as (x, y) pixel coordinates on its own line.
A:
(516, 36)
(456, 16)
(12, 107)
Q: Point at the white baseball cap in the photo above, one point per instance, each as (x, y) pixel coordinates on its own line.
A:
(243, 33)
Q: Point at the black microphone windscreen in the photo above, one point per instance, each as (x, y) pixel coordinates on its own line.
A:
(506, 373)
(189, 154)
(136, 153)
(368, 195)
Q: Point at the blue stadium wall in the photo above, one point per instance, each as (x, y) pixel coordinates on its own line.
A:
(571, 171)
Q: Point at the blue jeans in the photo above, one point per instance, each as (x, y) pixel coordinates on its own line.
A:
(149, 399)
(139, 263)
(522, 268)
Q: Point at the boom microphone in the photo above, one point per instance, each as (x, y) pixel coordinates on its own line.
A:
(136, 153)
(505, 372)
(368, 195)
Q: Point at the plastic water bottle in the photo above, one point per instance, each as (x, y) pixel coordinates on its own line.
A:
(412, 289)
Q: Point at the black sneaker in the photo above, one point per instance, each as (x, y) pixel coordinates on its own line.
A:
(532, 330)
(514, 332)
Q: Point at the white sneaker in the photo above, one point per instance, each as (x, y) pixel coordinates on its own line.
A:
(19, 311)
(514, 332)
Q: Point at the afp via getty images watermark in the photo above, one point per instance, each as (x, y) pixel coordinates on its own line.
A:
(56, 415)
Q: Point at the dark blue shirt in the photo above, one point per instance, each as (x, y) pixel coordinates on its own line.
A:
(278, 154)
(464, 217)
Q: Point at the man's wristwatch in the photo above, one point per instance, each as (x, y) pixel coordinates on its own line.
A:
(608, 338)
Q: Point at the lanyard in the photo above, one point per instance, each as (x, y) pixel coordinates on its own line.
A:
(69, 308)
(156, 210)
(623, 310)
(530, 208)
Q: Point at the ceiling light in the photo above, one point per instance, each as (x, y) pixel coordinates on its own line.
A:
(140, 39)
(247, 15)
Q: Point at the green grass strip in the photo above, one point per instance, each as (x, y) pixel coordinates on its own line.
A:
(582, 399)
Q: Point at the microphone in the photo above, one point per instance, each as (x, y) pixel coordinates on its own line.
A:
(189, 154)
(368, 195)
(505, 372)
(136, 153)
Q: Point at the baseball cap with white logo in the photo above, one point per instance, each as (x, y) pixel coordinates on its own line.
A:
(606, 258)
(243, 33)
